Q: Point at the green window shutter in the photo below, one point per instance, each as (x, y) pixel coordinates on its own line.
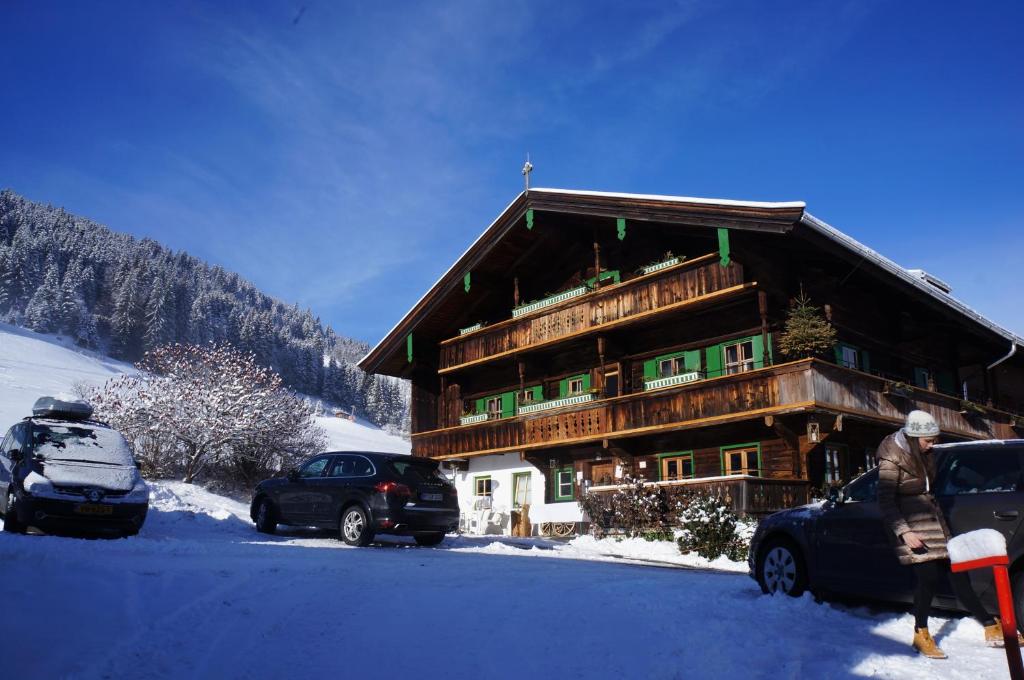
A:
(481, 405)
(650, 369)
(692, 359)
(563, 387)
(508, 404)
(586, 382)
(839, 353)
(865, 361)
(757, 342)
(921, 377)
(771, 354)
(714, 360)
(538, 392)
(945, 382)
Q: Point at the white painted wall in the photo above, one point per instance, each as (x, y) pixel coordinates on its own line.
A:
(501, 468)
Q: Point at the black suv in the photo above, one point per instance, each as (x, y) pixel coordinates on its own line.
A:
(61, 470)
(361, 494)
(840, 545)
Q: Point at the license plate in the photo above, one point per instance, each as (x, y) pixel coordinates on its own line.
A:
(431, 496)
(90, 509)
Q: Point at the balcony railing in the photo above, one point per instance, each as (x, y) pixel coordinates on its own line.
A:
(657, 267)
(744, 494)
(475, 418)
(549, 301)
(670, 380)
(806, 385)
(689, 284)
(556, 403)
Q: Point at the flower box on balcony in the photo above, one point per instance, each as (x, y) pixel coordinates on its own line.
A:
(970, 409)
(557, 403)
(898, 389)
(548, 301)
(470, 329)
(668, 381)
(664, 264)
(475, 418)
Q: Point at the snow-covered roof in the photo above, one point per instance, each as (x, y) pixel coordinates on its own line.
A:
(806, 218)
(918, 282)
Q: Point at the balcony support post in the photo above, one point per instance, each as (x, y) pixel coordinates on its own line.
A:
(597, 262)
(762, 307)
(522, 379)
(515, 292)
(600, 356)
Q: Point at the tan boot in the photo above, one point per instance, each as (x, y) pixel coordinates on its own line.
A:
(994, 635)
(924, 644)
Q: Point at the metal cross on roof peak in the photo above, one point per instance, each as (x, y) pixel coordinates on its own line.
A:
(527, 169)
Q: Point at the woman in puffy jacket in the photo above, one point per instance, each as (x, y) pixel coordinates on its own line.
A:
(917, 529)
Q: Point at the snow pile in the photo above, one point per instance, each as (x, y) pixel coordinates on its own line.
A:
(976, 545)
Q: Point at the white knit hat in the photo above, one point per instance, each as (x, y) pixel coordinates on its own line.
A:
(921, 424)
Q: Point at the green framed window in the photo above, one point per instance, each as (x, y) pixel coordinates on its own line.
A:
(575, 384)
(521, 489)
(483, 486)
(737, 356)
(850, 356)
(676, 363)
(677, 465)
(501, 405)
(563, 484)
(742, 459)
(532, 395)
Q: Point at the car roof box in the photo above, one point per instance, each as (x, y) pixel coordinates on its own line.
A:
(63, 408)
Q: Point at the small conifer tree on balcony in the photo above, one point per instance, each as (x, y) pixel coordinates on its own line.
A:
(807, 332)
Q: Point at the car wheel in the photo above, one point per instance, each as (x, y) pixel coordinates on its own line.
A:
(354, 527)
(266, 517)
(11, 523)
(427, 540)
(780, 569)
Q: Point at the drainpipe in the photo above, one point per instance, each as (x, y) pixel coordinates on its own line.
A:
(1013, 350)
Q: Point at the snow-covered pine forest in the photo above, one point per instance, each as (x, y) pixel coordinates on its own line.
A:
(122, 296)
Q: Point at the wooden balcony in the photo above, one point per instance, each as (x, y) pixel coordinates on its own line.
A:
(689, 284)
(800, 386)
(746, 495)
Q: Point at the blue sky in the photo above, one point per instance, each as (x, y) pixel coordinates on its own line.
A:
(343, 155)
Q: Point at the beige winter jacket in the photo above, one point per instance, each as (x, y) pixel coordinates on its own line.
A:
(904, 495)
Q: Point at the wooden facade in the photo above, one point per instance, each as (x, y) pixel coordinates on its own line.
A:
(649, 347)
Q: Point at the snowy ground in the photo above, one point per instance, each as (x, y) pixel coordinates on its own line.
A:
(199, 594)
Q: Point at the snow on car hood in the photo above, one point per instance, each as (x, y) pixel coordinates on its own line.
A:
(110, 477)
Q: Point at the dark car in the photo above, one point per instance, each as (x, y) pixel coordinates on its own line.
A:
(361, 494)
(60, 470)
(840, 545)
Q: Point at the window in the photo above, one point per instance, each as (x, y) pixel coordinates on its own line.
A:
(611, 383)
(670, 367)
(870, 458)
(482, 486)
(862, 489)
(563, 485)
(834, 464)
(676, 466)
(850, 357)
(576, 385)
(494, 407)
(603, 473)
(743, 459)
(739, 357)
(976, 471)
(520, 489)
(351, 466)
(6, 446)
(526, 397)
(314, 468)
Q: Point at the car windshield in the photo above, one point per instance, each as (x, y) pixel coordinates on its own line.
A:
(80, 443)
(417, 472)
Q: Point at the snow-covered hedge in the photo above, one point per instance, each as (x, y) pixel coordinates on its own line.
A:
(711, 529)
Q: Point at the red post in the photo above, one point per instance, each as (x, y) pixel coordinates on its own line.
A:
(1008, 621)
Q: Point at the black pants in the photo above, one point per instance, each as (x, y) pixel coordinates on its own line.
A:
(928, 575)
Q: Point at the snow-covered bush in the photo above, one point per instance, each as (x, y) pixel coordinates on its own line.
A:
(634, 509)
(710, 527)
(195, 410)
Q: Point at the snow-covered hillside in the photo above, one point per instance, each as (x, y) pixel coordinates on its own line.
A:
(33, 365)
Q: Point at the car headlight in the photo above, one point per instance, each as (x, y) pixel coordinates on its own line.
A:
(36, 484)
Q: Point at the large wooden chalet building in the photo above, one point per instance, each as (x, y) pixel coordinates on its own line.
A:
(587, 336)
